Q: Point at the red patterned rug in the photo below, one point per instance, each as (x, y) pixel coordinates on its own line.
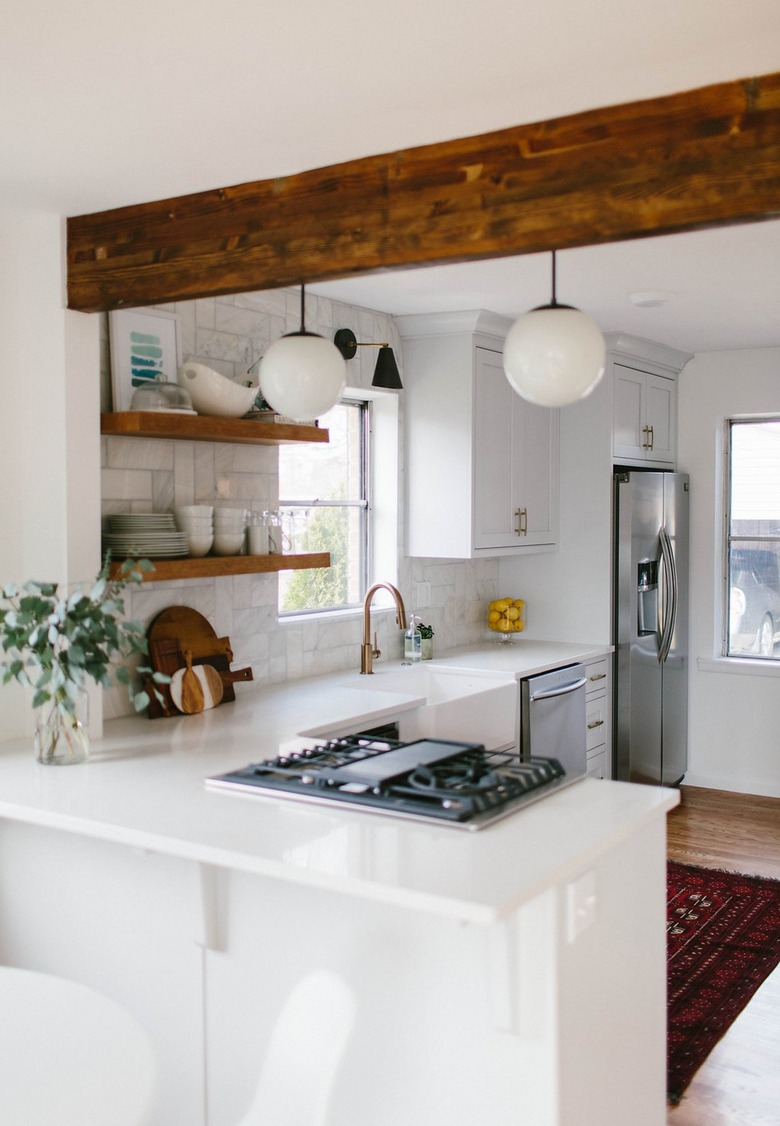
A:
(723, 941)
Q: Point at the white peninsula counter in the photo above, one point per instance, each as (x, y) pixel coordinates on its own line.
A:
(511, 975)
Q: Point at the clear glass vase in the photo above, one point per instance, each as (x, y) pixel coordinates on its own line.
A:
(61, 735)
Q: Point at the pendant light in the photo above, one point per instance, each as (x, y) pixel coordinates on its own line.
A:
(554, 355)
(302, 375)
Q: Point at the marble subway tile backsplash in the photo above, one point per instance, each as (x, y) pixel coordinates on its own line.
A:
(140, 475)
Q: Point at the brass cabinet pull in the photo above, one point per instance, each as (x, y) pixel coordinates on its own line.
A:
(599, 676)
(648, 442)
(598, 723)
(521, 515)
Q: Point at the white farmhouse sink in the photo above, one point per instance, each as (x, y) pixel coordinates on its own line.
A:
(464, 706)
(437, 685)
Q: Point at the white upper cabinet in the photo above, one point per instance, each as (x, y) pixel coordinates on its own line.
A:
(514, 474)
(644, 396)
(482, 463)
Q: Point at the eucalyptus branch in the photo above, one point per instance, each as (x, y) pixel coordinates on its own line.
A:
(53, 642)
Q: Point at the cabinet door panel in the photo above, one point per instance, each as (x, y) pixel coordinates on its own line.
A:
(476, 452)
(660, 413)
(539, 452)
(645, 408)
(497, 473)
(629, 391)
(515, 461)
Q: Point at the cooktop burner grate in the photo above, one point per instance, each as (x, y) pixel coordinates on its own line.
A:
(431, 779)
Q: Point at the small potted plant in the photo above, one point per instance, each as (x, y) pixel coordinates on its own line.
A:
(426, 634)
(53, 641)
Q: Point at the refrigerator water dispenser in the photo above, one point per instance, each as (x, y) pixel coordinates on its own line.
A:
(647, 597)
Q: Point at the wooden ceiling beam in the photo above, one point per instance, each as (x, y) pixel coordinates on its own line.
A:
(702, 158)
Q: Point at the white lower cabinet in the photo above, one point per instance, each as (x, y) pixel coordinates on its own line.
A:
(481, 462)
(598, 707)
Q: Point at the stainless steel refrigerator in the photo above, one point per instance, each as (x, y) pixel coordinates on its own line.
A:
(651, 626)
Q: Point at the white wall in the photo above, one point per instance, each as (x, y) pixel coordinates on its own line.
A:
(49, 453)
(734, 708)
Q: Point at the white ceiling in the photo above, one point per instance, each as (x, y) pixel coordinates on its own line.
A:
(105, 104)
(722, 286)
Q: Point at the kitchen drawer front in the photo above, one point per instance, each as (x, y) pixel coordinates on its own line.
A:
(598, 675)
(597, 764)
(596, 721)
(598, 717)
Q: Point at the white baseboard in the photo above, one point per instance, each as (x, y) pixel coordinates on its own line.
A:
(742, 785)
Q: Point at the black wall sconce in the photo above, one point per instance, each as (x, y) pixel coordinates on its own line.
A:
(386, 372)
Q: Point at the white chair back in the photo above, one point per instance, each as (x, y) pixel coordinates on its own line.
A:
(70, 1055)
(314, 1025)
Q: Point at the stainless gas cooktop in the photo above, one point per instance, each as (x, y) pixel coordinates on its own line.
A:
(431, 780)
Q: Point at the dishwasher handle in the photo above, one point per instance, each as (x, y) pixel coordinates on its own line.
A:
(563, 690)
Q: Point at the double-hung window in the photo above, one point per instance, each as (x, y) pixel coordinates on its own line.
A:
(752, 612)
(324, 495)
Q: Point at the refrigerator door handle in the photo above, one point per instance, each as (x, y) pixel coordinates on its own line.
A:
(669, 599)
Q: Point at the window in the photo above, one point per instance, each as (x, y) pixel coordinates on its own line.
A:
(323, 490)
(753, 539)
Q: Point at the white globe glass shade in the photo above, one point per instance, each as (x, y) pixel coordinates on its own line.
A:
(554, 356)
(302, 375)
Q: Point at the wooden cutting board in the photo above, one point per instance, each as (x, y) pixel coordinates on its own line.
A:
(196, 689)
(180, 629)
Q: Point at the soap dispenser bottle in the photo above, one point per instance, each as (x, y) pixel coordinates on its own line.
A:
(413, 641)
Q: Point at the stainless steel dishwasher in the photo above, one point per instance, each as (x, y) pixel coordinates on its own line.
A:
(552, 717)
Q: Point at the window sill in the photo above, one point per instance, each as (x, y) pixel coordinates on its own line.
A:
(333, 615)
(319, 616)
(740, 666)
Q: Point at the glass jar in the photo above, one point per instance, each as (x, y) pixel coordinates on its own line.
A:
(61, 735)
(257, 534)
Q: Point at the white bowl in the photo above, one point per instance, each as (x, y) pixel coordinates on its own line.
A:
(198, 545)
(214, 394)
(195, 511)
(228, 543)
(229, 526)
(197, 528)
(230, 521)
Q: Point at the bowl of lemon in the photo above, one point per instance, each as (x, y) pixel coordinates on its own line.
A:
(506, 616)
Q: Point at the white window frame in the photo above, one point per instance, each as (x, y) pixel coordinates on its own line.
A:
(383, 494)
(729, 538)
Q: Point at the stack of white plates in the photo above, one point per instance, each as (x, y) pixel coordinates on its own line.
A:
(151, 534)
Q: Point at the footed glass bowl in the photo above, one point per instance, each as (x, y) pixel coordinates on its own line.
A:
(505, 616)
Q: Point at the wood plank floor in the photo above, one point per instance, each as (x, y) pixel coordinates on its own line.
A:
(739, 1083)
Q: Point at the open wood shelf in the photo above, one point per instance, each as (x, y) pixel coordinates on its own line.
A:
(211, 566)
(200, 428)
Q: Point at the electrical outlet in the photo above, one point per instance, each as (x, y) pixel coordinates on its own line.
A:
(423, 597)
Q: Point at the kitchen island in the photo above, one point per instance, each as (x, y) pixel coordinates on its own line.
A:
(512, 975)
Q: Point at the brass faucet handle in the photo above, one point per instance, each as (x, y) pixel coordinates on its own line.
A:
(376, 651)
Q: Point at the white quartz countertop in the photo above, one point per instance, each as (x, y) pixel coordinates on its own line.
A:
(522, 657)
(144, 786)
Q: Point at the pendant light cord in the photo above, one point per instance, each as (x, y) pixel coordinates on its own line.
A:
(554, 301)
(303, 308)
